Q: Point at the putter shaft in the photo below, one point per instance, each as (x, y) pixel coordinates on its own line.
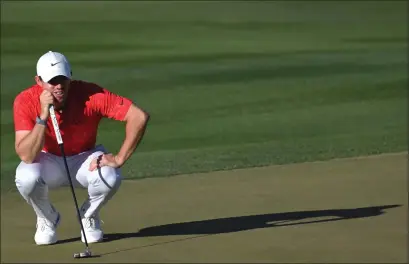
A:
(60, 142)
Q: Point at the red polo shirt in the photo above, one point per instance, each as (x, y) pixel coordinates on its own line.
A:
(87, 103)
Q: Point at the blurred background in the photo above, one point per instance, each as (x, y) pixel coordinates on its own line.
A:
(228, 84)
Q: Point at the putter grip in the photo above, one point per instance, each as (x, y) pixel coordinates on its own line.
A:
(55, 125)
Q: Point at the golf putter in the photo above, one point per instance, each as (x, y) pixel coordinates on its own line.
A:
(87, 253)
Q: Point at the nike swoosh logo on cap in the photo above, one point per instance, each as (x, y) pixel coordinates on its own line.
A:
(53, 64)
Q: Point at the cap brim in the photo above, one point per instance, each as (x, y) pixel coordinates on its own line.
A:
(59, 72)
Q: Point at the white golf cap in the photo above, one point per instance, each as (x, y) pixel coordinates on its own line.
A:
(53, 64)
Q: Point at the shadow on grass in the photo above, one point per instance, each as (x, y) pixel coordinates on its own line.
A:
(242, 223)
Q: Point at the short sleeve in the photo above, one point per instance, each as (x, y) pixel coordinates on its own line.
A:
(22, 113)
(110, 105)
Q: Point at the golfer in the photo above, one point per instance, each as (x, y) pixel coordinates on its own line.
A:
(79, 107)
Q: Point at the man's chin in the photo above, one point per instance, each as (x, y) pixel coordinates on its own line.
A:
(60, 100)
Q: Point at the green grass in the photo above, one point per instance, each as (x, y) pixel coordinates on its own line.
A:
(227, 84)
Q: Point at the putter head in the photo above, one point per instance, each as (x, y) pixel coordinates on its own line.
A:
(86, 254)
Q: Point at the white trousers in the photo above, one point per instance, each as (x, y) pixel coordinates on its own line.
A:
(34, 180)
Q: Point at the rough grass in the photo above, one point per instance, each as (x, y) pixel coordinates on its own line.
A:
(228, 84)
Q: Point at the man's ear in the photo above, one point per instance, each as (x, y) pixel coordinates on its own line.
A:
(38, 80)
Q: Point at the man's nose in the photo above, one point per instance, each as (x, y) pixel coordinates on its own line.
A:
(57, 86)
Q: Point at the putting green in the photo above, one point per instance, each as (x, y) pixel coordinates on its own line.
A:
(345, 210)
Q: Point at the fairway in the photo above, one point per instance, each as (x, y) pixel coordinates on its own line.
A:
(228, 84)
(352, 210)
(282, 123)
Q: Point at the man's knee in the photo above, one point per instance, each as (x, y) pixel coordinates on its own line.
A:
(106, 179)
(28, 176)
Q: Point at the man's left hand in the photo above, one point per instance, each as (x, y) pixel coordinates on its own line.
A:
(104, 160)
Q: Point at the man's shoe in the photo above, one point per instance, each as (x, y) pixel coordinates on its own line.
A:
(92, 228)
(46, 231)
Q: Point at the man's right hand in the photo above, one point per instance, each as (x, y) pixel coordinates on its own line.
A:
(46, 99)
